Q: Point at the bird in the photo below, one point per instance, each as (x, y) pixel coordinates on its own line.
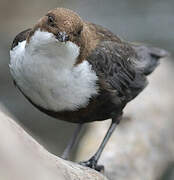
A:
(80, 72)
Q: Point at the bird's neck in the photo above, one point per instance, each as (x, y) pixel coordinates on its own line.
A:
(89, 41)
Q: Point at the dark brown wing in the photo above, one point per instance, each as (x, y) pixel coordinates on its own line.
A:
(116, 67)
(122, 67)
(20, 37)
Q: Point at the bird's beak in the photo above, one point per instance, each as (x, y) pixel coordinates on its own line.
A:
(62, 36)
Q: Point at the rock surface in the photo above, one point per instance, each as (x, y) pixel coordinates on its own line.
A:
(21, 157)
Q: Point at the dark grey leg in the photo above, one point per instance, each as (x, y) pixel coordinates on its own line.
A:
(71, 143)
(92, 162)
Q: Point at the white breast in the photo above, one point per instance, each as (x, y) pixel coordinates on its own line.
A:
(44, 71)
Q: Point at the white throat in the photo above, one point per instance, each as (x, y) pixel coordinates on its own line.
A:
(44, 71)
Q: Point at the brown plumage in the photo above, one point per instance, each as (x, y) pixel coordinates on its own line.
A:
(121, 67)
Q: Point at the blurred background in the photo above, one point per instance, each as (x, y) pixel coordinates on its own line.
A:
(150, 21)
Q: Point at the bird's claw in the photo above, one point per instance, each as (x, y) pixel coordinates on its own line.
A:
(92, 163)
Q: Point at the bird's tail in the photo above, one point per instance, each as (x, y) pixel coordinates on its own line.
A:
(148, 57)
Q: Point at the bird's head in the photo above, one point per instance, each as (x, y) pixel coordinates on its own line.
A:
(64, 24)
(59, 27)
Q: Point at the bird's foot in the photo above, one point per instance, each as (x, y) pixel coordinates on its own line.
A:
(92, 163)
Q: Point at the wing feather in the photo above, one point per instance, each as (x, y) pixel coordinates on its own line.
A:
(115, 66)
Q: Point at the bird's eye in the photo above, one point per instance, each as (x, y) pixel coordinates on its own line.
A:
(51, 21)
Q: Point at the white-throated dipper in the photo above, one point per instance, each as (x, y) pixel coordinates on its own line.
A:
(78, 71)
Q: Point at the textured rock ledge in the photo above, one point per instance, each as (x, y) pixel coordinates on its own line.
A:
(21, 157)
